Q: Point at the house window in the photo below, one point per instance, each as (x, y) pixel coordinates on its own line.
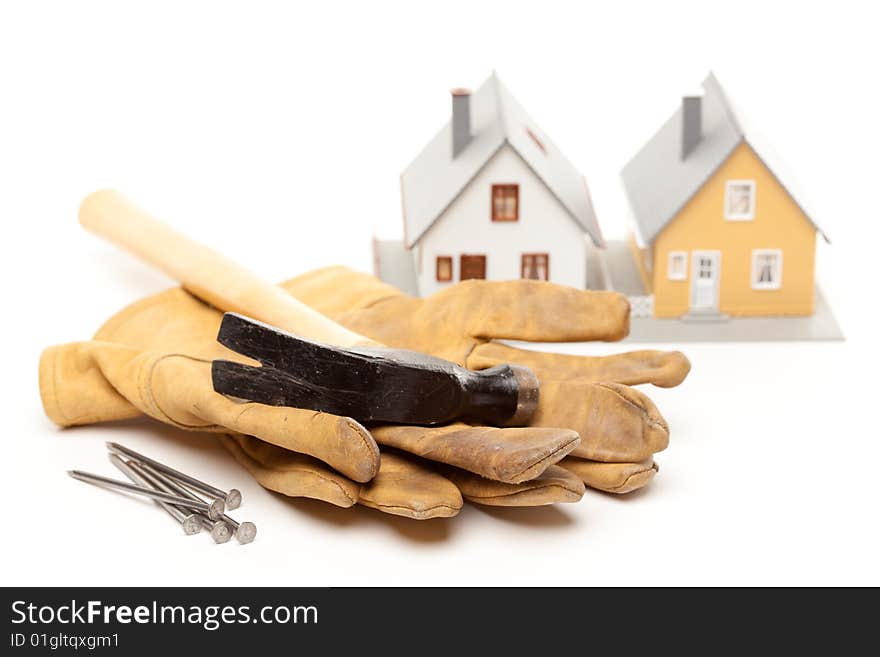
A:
(505, 202)
(739, 200)
(676, 268)
(471, 266)
(444, 269)
(766, 269)
(535, 266)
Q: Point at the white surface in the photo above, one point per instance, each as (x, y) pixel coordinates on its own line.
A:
(544, 226)
(265, 131)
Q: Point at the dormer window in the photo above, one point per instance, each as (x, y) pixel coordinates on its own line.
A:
(505, 202)
(739, 200)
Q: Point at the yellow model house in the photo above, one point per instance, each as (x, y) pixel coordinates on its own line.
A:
(716, 231)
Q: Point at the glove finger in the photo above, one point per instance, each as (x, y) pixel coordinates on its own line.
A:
(289, 473)
(616, 423)
(405, 487)
(337, 290)
(182, 388)
(508, 455)
(665, 369)
(537, 311)
(74, 389)
(552, 486)
(617, 478)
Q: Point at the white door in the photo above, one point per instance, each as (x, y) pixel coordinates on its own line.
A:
(706, 272)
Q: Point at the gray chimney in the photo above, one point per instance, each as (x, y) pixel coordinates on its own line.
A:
(461, 120)
(691, 124)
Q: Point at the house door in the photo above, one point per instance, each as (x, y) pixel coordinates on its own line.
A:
(704, 280)
(472, 266)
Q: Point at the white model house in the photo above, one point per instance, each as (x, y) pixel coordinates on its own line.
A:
(492, 197)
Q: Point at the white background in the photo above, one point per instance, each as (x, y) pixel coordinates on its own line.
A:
(277, 134)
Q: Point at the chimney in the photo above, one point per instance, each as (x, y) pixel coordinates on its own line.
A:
(691, 124)
(461, 120)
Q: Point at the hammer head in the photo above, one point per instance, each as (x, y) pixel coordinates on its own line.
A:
(367, 384)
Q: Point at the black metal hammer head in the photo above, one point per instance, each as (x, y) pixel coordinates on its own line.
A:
(369, 384)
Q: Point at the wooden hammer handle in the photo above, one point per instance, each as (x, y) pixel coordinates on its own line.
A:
(209, 275)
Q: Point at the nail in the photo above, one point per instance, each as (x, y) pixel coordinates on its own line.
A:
(245, 531)
(220, 531)
(232, 499)
(187, 520)
(214, 509)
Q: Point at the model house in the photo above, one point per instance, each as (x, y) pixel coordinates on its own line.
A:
(717, 229)
(491, 196)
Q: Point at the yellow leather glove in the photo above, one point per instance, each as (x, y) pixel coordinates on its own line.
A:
(620, 428)
(154, 358)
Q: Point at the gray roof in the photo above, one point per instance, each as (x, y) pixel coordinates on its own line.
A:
(435, 179)
(658, 182)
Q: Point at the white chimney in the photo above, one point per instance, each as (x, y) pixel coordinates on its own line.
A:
(461, 120)
(691, 124)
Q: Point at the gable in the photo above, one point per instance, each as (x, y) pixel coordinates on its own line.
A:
(659, 182)
(471, 211)
(778, 219)
(435, 179)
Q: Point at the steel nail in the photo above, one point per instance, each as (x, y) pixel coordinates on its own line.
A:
(220, 530)
(232, 499)
(214, 510)
(245, 531)
(187, 520)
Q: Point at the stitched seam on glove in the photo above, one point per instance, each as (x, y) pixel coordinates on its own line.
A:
(547, 457)
(642, 410)
(627, 480)
(231, 445)
(521, 491)
(354, 500)
(409, 510)
(363, 433)
(145, 389)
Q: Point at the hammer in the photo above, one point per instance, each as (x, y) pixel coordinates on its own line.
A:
(308, 360)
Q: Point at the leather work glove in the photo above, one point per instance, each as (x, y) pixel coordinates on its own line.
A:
(154, 358)
(620, 428)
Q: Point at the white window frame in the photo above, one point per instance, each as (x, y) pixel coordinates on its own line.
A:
(740, 216)
(671, 274)
(773, 285)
